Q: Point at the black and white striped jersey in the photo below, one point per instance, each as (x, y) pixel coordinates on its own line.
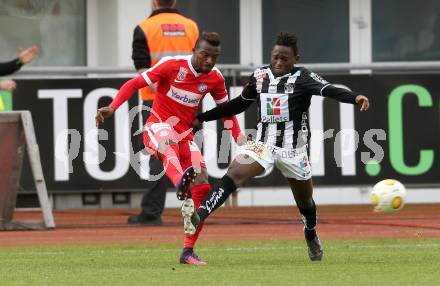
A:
(283, 103)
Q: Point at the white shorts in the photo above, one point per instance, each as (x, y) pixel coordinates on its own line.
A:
(293, 163)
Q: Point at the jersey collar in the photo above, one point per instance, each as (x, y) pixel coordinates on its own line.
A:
(272, 76)
(164, 10)
(196, 74)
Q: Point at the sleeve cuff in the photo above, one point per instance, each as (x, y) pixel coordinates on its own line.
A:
(221, 100)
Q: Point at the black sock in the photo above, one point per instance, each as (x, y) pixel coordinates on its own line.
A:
(308, 216)
(216, 197)
(310, 234)
(187, 251)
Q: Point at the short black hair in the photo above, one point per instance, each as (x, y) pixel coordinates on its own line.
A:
(213, 38)
(165, 3)
(289, 40)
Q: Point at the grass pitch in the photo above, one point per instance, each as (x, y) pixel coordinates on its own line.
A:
(365, 262)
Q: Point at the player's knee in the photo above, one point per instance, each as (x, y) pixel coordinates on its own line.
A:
(237, 175)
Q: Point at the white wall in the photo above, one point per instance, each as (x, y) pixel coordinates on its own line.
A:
(110, 25)
(251, 34)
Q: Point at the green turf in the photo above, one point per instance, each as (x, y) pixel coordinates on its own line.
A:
(366, 262)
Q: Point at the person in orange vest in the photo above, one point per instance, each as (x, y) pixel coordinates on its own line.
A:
(165, 32)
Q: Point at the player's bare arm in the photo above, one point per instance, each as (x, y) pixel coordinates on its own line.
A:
(363, 102)
(102, 114)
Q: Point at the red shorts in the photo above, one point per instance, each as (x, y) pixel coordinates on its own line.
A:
(189, 152)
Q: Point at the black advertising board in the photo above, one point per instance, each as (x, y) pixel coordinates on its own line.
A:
(399, 137)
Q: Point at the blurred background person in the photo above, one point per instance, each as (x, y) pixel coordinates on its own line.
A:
(6, 68)
(164, 33)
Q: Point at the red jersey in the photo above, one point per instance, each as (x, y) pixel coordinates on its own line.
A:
(179, 91)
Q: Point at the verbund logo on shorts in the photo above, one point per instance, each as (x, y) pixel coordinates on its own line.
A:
(184, 97)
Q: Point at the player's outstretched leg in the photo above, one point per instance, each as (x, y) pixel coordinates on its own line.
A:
(214, 199)
(191, 219)
(303, 193)
(314, 247)
(182, 187)
(308, 216)
(189, 257)
(198, 193)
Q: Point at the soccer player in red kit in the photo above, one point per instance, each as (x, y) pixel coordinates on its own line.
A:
(181, 82)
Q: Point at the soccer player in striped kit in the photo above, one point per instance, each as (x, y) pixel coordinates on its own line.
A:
(283, 94)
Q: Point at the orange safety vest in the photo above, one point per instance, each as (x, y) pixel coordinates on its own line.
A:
(168, 34)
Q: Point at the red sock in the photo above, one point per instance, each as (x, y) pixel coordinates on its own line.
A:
(198, 193)
(171, 163)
